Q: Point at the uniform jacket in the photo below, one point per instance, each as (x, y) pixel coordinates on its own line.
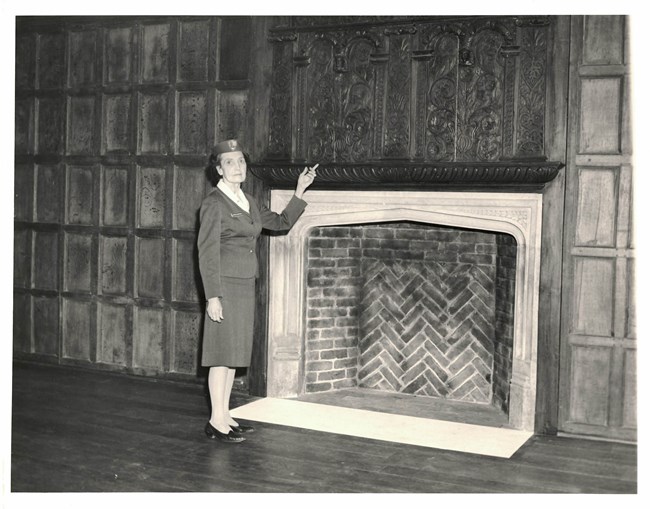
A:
(228, 236)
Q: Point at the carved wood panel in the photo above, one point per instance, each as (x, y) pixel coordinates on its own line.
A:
(280, 117)
(80, 196)
(153, 119)
(113, 265)
(78, 330)
(22, 257)
(22, 317)
(115, 196)
(113, 330)
(152, 197)
(23, 192)
(81, 125)
(231, 112)
(190, 185)
(155, 53)
(187, 280)
(51, 61)
(150, 262)
(118, 57)
(192, 122)
(187, 331)
(77, 276)
(45, 268)
(45, 325)
(24, 126)
(148, 338)
(50, 125)
(49, 193)
(25, 61)
(426, 89)
(83, 58)
(193, 51)
(117, 126)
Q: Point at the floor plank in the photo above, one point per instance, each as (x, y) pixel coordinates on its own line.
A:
(77, 430)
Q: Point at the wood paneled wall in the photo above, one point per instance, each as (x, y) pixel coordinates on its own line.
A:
(598, 355)
(115, 118)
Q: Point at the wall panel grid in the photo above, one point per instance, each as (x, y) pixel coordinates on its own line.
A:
(114, 120)
(598, 351)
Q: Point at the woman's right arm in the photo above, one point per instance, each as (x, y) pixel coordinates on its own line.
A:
(209, 246)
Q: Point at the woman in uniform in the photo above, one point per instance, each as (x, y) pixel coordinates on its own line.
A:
(230, 223)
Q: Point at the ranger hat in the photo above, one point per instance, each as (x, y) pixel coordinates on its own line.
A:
(227, 146)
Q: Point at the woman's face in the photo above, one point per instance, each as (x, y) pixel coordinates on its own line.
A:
(232, 167)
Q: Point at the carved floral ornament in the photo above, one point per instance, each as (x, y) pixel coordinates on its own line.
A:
(410, 101)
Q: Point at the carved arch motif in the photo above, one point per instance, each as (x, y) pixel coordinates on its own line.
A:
(423, 89)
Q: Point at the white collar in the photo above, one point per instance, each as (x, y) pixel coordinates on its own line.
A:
(239, 198)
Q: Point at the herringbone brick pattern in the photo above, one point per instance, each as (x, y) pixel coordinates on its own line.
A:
(427, 328)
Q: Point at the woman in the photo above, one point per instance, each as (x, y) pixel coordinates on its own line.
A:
(231, 221)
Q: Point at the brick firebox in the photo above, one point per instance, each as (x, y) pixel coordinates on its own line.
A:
(410, 308)
(517, 215)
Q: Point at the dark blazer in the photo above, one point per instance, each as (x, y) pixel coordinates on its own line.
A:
(228, 236)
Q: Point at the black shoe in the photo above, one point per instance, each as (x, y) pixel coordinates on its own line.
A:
(213, 432)
(242, 428)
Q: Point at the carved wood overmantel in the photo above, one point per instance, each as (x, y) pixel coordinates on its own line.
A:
(430, 101)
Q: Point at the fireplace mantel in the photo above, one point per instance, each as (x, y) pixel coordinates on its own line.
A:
(517, 214)
(521, 176)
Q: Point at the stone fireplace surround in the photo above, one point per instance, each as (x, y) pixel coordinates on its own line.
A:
(518, 214)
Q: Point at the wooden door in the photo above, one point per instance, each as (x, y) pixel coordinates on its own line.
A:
(598, 351)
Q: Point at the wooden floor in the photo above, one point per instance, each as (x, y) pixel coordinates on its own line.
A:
(75, 430)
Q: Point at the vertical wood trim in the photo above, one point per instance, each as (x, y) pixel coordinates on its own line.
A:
(259, 101)
(550, 299)
(570, 221)
(620, 297)
(624, 219)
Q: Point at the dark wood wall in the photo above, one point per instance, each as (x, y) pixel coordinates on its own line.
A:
(115, 117)
(428, 89)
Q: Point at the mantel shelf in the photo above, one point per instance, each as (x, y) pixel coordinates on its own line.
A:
(521, 175)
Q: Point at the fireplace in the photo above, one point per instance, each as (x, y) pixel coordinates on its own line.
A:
(412, 309)
(433, 121)
(515, 216)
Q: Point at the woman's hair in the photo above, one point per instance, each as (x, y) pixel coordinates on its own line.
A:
(211, 169)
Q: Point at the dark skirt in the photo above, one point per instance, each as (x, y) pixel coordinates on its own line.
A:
(230, 343)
